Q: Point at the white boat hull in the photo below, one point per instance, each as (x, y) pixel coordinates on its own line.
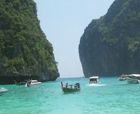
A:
(132, 81)
(32, 84)
(93, 82)
(3, 90)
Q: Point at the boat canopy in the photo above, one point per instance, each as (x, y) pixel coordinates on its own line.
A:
(94, 77)
(124, 75)
(34, 81)
(134, 75)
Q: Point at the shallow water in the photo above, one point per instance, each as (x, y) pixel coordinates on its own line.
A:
(109, 96)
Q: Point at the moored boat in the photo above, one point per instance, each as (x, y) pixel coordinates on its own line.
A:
(3, 90)
(32, 83)
(133, 78)
(70, 89)
(21, 82)
(123, 77)
(94, 79)
(83, 77)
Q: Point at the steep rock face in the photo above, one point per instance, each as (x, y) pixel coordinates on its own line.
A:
(24, 49)
(110, 46)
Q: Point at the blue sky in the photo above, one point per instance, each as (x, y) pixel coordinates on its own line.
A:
(63, 22)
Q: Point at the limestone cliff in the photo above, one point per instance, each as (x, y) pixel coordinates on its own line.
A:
(110, 46)
(24, 50)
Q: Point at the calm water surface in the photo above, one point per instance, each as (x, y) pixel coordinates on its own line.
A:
(110, 96)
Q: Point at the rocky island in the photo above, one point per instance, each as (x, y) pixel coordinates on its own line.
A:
(25, 51)
(110, 46)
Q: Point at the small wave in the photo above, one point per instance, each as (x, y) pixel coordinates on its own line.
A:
(95, 85)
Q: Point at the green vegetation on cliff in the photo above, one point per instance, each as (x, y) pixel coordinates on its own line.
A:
(111, 44)
(24, 49)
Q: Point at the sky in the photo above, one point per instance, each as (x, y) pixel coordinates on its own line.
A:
(63, 22)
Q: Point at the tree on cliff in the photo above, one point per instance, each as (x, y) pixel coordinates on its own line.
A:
(111, 45)
(24, 49)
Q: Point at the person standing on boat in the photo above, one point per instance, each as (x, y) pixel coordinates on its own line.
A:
(71, 87)
(66, 85)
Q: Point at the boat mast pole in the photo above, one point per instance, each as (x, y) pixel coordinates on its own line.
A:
(61, 84)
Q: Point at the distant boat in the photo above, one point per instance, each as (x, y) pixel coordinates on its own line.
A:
(70, 89)
(83, 77)
(133, 78)
(123, 77)
(32, 83)
(2, 91)
(21, 82)
(94, 79)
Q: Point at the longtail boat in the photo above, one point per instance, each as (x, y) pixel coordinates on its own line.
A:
(20, 83)
(70, 89)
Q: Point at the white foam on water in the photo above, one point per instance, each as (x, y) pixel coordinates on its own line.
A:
(96, 84)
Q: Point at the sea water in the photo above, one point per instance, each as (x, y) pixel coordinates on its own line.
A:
(109, 96)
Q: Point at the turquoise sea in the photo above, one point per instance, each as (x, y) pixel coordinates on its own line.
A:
(109, 96)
